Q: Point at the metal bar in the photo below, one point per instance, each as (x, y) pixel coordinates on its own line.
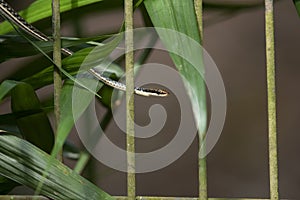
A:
(270, 64)
(129, 59)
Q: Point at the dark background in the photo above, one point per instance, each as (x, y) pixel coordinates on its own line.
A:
(238, 164)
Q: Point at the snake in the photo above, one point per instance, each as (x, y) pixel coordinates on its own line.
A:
(10, 14)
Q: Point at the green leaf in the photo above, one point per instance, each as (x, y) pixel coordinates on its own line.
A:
(6, 87)
(24, 163)
(14, 46)
(42, 8)
(8, 122)
(91, 56)
(32, 121)
(72, 107)
(90, 61)
(82, 162)
(179, 16)
(297, 5)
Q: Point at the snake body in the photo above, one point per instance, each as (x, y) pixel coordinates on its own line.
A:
(9, 13)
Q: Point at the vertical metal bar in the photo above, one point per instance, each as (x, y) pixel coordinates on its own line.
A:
(270, 62)
(57, 79)
(130, 99)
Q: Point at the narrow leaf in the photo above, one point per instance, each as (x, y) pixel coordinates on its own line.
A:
(6, 87)
(25, 163)
(42, 8)
(8, 122)
(14, 46)
(91, 56)
(31, 119)
(72, 107)
(179, 16)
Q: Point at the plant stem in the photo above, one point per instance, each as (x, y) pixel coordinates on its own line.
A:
(130, 99)
(57, 79)
(202, 171)
(270, 58)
